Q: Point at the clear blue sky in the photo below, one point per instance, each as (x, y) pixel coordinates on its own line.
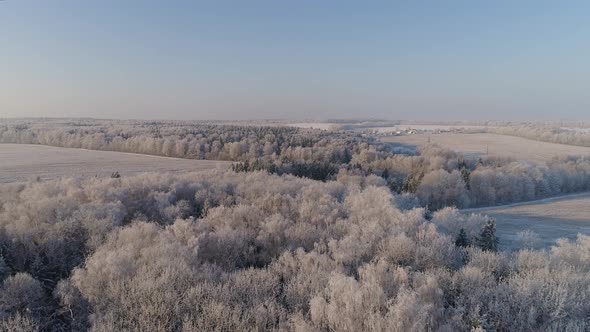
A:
(295, 59)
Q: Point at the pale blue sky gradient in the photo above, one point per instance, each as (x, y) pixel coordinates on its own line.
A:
(295, 59)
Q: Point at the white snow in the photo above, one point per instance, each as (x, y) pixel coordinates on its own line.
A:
(493, 145)
(20, 162)
(551, 218)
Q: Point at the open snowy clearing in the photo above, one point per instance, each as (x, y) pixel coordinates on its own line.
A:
(424, 127)
(20, 162)
(554, 218)
(495, 145)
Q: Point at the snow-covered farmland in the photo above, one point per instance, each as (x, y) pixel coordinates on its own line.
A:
(551, 219)
(493, 145)
(19, 162)
(425, 128)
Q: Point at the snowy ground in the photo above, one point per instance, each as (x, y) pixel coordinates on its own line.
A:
(423, 127)
(20, 162)
(551, 218)
(496, 145)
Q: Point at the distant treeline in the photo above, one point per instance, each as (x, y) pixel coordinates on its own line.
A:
(552, 134)
(435, 177)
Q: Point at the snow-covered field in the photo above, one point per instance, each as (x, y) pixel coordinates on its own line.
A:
(495, 145)
(20, 162)
(553, 218)
(423, 127)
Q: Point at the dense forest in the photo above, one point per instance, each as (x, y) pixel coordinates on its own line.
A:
(231, 251)
(435, 176)
(309, 230)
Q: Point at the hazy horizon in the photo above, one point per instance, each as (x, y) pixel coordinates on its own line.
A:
(264, 59)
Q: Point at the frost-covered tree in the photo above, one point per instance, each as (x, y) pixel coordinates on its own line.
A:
(440, 188)
(528, 239)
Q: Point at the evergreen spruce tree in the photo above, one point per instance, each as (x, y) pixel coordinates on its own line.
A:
(487, 239)
(462, 239)
(428, 213)
(465, 173)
